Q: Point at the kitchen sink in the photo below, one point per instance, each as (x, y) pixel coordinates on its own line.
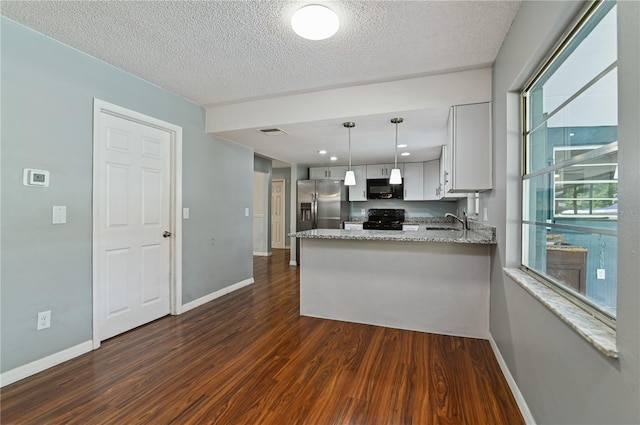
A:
(451, 229)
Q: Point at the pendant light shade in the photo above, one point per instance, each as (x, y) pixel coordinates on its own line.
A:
(396, 176)
(350, 177)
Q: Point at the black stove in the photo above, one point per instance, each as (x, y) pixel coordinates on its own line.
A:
(384, 219)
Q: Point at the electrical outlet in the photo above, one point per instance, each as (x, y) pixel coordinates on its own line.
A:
(44, 320)
(600, 274)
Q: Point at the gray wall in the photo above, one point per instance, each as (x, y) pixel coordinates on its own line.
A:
(564, 379)
(285, 173)
(47, 118)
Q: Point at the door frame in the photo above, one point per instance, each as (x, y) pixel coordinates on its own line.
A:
(283, 208)
(175, 219)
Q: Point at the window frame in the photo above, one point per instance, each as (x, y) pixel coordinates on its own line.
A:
(557, 51)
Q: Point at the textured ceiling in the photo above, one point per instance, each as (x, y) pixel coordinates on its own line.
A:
(217, 52)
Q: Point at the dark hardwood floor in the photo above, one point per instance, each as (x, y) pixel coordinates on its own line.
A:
(249, 358)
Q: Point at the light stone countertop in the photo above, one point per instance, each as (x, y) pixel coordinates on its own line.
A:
(444, 235)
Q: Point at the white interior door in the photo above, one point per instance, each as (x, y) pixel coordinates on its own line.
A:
(133, 223)
(277, 213)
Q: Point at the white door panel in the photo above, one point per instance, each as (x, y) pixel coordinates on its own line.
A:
(133, 213)
(277, 213)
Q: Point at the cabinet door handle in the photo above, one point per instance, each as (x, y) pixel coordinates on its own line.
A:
(364, 194)
(405, 193)
(382, 171)
(325, 174)
(329, 172)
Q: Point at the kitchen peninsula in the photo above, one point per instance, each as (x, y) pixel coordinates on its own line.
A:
(434, 280)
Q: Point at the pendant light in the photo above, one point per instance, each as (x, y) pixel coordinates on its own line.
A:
(396, 177)
(350, 177)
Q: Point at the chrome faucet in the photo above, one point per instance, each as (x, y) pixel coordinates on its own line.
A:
(463, 220)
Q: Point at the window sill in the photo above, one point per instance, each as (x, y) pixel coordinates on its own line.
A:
(593, 330)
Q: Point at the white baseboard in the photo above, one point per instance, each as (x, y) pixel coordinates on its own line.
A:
(36, 366)
(293, 263)
(262, 254)
(203, 300)
(522, 404)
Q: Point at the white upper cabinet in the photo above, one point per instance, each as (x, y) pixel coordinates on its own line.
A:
(359, 191)
(413, 181)
(431, 179)
(469, 163)
(445, 177)
(321, 173)
(380, 171)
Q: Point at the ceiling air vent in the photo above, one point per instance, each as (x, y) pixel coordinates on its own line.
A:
(272, 131)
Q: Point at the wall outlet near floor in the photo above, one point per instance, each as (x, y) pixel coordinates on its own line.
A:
(44, 320)
(600, 274)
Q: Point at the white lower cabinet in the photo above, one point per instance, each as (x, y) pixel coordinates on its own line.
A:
(353, 226)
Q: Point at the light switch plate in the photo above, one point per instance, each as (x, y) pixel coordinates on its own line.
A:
(59, 214)
(600, 274)
(246, 212)
(185, 213)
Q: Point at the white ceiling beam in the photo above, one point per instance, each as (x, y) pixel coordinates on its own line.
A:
(436, 91)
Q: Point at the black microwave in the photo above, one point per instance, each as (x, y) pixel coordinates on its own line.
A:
(381, 189)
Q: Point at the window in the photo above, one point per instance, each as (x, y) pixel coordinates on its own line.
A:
(570, 182)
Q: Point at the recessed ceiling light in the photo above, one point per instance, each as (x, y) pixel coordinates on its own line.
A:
(402, 146)
(405, 154)
(315, 22)
(322, 152)
(572, 134)
(334, 158)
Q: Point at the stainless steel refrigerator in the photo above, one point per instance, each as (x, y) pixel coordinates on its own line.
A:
(322, 204)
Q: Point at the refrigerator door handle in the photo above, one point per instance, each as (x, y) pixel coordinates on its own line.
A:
(314, 210)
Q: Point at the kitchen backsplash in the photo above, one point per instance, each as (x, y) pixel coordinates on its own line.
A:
(413, 209)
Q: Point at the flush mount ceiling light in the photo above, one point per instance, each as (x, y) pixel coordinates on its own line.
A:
(349, 177)
(396, 177)
(315, 22)
(322, 152)
(334, 158)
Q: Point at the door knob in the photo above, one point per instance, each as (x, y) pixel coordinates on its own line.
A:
(166, 234)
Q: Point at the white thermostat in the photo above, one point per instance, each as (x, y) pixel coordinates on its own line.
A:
(31, 177)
